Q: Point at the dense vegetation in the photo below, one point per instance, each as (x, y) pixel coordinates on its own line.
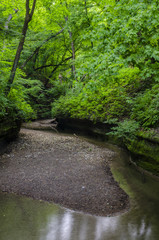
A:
(121, 70)
(86, 59)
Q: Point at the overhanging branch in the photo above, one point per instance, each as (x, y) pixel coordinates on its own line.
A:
(38, 48)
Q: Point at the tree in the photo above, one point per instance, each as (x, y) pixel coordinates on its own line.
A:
(28, 18)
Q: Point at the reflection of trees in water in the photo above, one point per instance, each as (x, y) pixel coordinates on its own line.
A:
(140, 229)
(71, 226)
(59, 227)
(124, 228)
(66, 227)
(24, 219)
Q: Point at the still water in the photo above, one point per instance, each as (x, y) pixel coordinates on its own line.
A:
(26, 219)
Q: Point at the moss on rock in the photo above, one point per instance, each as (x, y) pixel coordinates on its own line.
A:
(9, 130)
(146, 153)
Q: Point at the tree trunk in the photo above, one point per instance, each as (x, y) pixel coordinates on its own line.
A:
(28, 17)
(73, 50)
(73, 54)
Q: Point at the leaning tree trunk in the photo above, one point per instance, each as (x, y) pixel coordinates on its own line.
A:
(28, 17)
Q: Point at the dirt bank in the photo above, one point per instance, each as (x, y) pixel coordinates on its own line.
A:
(62, 169)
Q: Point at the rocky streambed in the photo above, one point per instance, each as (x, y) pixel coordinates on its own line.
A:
(62, 169)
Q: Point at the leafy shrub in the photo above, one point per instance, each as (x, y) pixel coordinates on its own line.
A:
(92, 101)
(146, 107)
(126, 129)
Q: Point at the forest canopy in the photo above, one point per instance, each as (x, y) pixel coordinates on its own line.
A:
(85, 59)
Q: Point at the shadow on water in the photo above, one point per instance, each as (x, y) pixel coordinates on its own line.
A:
(26, 219)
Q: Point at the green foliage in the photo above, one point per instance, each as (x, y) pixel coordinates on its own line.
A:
(19, 100)
(117, 68)
(125, 130)
(146, 107)
(91, 101)
(42, 103)
(17, 104)
(95, 101)
(24, 109)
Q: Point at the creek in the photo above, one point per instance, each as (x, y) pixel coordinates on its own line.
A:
(23, 218)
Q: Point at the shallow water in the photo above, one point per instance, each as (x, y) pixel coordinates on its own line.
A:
(26, 219)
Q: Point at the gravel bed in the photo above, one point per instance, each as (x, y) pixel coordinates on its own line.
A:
(62, 169)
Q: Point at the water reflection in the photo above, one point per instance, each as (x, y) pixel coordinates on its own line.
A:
(142, 231)
(59, 227)
(51, 232)
(104, 226)
(70, 226)
(23, 219)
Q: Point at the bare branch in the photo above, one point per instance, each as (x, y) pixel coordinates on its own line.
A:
(27, 7)
(38, 48)
(8, 20)
(32, 10)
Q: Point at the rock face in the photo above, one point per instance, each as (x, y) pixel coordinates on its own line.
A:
(145, 149)
(9, 130)
(84, 127)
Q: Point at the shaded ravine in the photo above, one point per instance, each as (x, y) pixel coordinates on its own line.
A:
(62, 169)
